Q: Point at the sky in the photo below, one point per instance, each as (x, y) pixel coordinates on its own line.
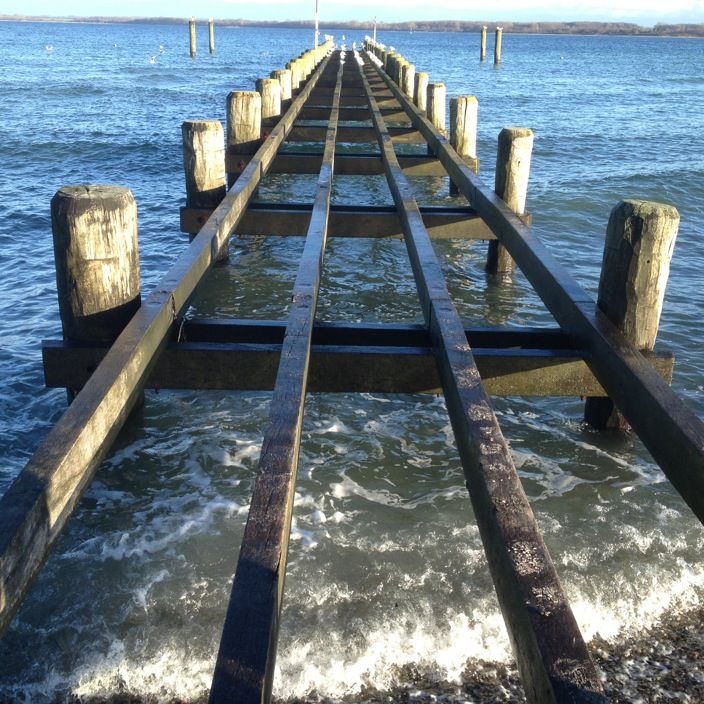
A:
(646, 12)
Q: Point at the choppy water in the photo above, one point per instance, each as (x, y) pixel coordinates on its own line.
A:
(386, 568)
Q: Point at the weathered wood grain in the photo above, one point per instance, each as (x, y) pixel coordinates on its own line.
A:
(671, 432)
(244, 670)
(553, 660)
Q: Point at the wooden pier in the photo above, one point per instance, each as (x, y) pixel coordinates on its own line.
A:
(597, 350)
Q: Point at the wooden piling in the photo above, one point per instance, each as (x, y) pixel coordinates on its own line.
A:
(436, 108)
(640, 238)
(421, 90)
(482, 45)
(204, 163)
(497, 45)
(283, 76)
(463, 132)
(192, 35)
(296, 68)
(270, 90)
(97, 260)
(211, 35)
(510, 184)
(244, 120)
(408, 75)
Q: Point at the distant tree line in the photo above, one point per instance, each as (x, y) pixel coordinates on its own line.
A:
(607, 28)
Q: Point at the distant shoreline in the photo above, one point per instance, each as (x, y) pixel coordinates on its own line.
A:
(552, 28)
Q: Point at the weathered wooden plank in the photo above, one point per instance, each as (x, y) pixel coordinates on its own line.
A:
(347, 221)
(244, 670)
(36, 506)
(553, 660)
(672, 432)
(355, 134)
(362, 367)
(352, 114)
(371, 334)
(345, 164)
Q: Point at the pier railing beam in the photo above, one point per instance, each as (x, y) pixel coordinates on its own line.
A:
(511, 185)
(463, 132)
(640, 237)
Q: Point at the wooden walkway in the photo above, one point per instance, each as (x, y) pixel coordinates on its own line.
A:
(586, 355)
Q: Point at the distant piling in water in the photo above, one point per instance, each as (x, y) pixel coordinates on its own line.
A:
(497, 45)
(482, 45)
(211, 35)
(192, 36)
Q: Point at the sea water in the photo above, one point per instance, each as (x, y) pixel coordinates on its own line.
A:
(387, 587)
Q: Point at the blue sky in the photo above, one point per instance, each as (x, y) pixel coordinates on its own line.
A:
(645, 12)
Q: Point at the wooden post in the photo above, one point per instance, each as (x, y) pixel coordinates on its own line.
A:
(436, 108)
(203, 163)
(296, 68)
(211, 35)
(640, 238)
(97, 260)
(463, 132)
(270, 90)
(283, 76)
(511, 184)
(192, 35)
(204, 167)
(497, 45)
(482, 45)
(408, 75)
(244, 120)
(421, 90)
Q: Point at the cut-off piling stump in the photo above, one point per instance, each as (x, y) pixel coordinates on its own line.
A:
(640, 238)
(204, 166)
(510, 184)
(463, 132)
(436, 108)
(421, 90)
(283, 76)
(244, 120)
(270, 90)
(97, 260)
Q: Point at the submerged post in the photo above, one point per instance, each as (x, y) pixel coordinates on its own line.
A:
(97, 261)
(482, 45)
(463, 132)
(244, 120)
(640, 238)
(497, 45)
(511, 184)
(211, 35)
(192, 35)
